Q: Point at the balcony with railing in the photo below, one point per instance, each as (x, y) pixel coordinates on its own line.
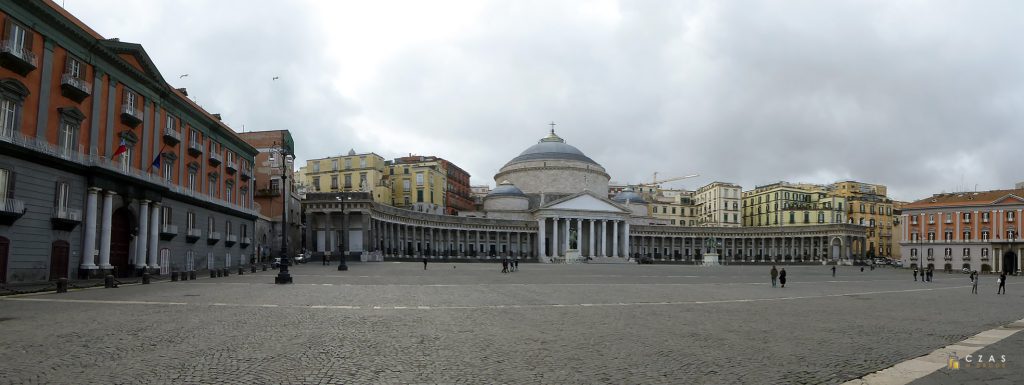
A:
(168, 231)
(171, 136)
(11, 210)
(9, 207)
(231, 166)
(66, 219)
(212, 237)
(130, 115)
(16, 57)
(246, 174)
(966, 258)
(193, 235)
(74, 88)
(195, 147)
(268, 192)
(231, 239)
(215, 158)
(245, 241)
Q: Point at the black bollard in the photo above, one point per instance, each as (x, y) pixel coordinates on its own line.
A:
(264, 267)
(213, 273)
(62, 285)
(252, 268)
(227, 272)
(192, 275)
(174, 276)
(241, 270)
(145, 278)
(108, 282)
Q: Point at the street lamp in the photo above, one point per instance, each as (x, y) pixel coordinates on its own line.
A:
(282, 276)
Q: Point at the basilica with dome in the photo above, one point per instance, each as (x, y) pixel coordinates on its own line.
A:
(551, 204)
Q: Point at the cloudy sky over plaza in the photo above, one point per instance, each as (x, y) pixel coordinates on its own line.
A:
(921, 96)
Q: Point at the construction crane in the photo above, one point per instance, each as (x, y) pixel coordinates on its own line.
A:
(655, 181)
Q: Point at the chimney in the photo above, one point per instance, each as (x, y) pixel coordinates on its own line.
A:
(216, 116)
(183, 91)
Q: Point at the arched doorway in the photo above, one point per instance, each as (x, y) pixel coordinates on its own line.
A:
(121, 241)
(1010, 262)
(5, 245)
(59, 259)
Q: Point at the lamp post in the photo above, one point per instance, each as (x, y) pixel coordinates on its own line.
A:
(282, 276)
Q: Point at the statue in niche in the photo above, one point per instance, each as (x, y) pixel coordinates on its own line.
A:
(572, 239)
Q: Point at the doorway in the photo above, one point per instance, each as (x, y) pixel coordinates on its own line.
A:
(1010, 262)
(121, 242)
(59, 260)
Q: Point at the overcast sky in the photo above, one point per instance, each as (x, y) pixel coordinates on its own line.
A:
(921, 96)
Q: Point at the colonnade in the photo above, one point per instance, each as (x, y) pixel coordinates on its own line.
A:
(747, 248)
(146, 248)
(590, 237)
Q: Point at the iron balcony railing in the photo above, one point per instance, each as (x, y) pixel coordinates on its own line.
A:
(215, 158)
(131, 112)
(67, 214)
(194, 233)
(79, 84)
(12, 206)
(172, 134)
(169, 229)
(10, 46)
(231, 238)
(213, 236)
(94, 159)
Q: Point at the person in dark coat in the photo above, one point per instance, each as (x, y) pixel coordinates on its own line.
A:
(915, 275)
(424, 263)
(775, 275)
(504, 265)
(1002, 284)
(516, 264)
(974, 282)
(834, 272)
(782, 277)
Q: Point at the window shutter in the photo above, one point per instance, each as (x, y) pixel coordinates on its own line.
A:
(56, 194)
(7, 28)
(10, 184)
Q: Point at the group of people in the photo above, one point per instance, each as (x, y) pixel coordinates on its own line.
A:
(509, 265)
(926, 274)
(779, 275)
(975, 277)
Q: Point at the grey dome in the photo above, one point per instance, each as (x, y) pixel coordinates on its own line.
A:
(630, 196)
(506, 188)
(552, 147)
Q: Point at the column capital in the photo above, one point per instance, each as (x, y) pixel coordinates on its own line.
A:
(109, 193)
(156, 204)
(94, 190)
(145, 202)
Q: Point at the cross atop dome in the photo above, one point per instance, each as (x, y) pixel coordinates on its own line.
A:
(552, 137)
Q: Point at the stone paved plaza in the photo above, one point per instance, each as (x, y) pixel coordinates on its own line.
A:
(469, 323)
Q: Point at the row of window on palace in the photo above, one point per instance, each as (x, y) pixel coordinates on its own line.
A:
(334, 164)
(966, 235)
(18, 38)
(948, 252)
(965, 217)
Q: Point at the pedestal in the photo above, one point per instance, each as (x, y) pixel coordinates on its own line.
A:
(711, 259)
(573, 256)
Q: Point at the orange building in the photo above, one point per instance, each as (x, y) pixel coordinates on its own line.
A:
(977, 230)
(91, 134)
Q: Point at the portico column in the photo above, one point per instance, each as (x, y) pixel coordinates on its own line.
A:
(555, 245)
(615, 239)
(590, 238)
(89, 243)
(141, 243)
(108, 208)
(604, 236)
(541, 250)
(565, 234)
(625, 235)
(154, 232)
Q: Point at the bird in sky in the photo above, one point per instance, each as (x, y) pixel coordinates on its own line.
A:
(275, 78)
(179, 77)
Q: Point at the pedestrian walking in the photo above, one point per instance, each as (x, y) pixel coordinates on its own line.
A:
(1002, 284)
(834, 272)
(517, 264)
(325, 263)
(862, 269)
(974, 282)
(504, 265)
(915, 275)
(775, 275)
(782, 277)
(930, 273)
(424, 263)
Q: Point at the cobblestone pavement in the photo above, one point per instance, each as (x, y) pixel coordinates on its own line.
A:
(469, 323)
(1001, 363)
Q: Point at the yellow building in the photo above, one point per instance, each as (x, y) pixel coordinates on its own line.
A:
(675, 206)
(790, 204)
(367, 172)
(418, 183)
(869, 206)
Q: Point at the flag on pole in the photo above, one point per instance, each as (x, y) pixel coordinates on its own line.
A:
(156, 161)
(120, 149)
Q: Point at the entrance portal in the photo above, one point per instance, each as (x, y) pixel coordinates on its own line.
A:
(121, 242)
(1010, 262)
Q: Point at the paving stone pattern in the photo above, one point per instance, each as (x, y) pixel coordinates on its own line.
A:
(468, 323)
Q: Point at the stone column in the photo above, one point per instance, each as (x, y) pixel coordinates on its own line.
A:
(108, 208)
(89, 243)
(603, 251)
(615, 239)
(142, 242)
(555, 244)
(625, 235)
(541, 250)
(565, 234)
(154, 233)
(366, 232)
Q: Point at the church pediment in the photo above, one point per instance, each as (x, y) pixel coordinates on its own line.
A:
(1009, 199)
(585, 202)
